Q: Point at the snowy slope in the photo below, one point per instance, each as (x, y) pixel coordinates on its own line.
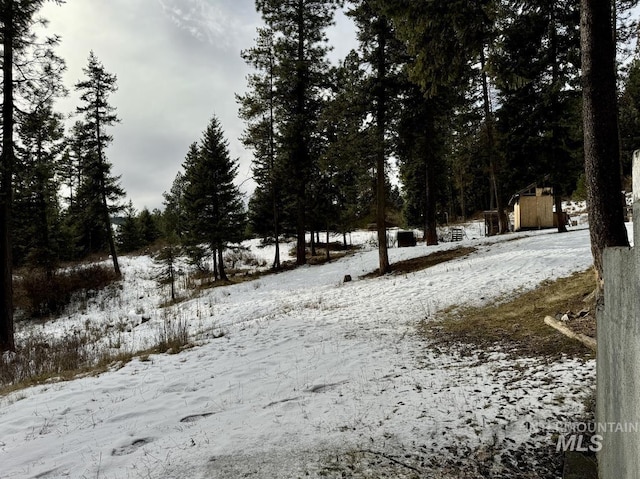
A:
(309, 368)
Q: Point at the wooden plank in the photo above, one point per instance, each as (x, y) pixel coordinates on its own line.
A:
(586, 340)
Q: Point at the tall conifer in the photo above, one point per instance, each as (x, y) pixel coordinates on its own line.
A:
(100, 189)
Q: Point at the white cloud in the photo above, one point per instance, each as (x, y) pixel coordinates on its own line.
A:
(177, 62)
(217, 23)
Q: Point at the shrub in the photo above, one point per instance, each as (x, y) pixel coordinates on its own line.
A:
(173, 335)
(41, 295)
(39, 357)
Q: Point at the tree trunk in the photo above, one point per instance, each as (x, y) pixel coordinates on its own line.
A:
(555, 135)
(328, 251)
(215, 264)
(600, 124)
(462, 202)
(112, 243)
(7, 342)
(430, 230)
(562, 226)
(276, 232)
(105, 207)
(383, 255)
(313, 243)
(301, 152)
(272, 154)
(223, 274)
(503, 226)
(172, 275)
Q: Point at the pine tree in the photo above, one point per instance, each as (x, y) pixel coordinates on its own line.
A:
(536, 66)
(166, 261)
(346, 160)
(148, 227)
(258, 109)
(301, 66)
(629, 115)
(446, 41)
(421, 137)
(129, 235)
(601, 147)
(70, 166)
(37, 64)
(213, 207)
(383, 52)
(37, 212)
(173, 215)
(99, 187)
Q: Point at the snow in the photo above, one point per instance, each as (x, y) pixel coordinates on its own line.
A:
(308, 370)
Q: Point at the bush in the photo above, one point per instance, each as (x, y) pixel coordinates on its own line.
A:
(40, 357)
(41, 295)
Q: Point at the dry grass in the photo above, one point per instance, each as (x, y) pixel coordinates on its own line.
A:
(423, 262)
(39, 359)
(518, 325)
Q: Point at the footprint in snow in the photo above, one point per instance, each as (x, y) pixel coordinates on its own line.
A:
(195, 417)
(130, 448)
(320, 388)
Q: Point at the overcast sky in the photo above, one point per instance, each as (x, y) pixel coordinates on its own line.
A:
(177, 63)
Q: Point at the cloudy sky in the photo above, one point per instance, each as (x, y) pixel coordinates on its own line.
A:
(178, 63)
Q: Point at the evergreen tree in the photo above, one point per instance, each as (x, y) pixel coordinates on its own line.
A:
(166, 261)
(258, 109)
(536, 66)
(37, 212)
(148, 227)
(346, 160)
(129, 235)
(300, 58)
(601, 146)
(173, 216)
(446, 41)
(212, 204)
(422, 130)
(37, 64)
(70, 166)
(383, 52)
(629, 115)
(99, 189)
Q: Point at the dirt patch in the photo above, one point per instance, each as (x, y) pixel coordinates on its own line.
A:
(517, 325)
(424, 262)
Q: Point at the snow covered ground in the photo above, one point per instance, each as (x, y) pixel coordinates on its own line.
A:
(313, 377)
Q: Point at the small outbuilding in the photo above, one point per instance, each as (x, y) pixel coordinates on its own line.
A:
(406, 239)
(533, 208)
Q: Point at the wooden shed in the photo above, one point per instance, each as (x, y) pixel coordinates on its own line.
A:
(532, 208)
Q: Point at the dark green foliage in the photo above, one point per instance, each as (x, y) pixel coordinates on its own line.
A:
(347, 159)
(629, 115)
(173, 216)
(212, 204)
(98, 190)
(536, 67)
(384, 55)
(423, 129)
(129, 234)
(30, 75)
(166, 261)
(148, 227)
(299, 78)
(37, 227)
(444, 39)
(259, 108)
